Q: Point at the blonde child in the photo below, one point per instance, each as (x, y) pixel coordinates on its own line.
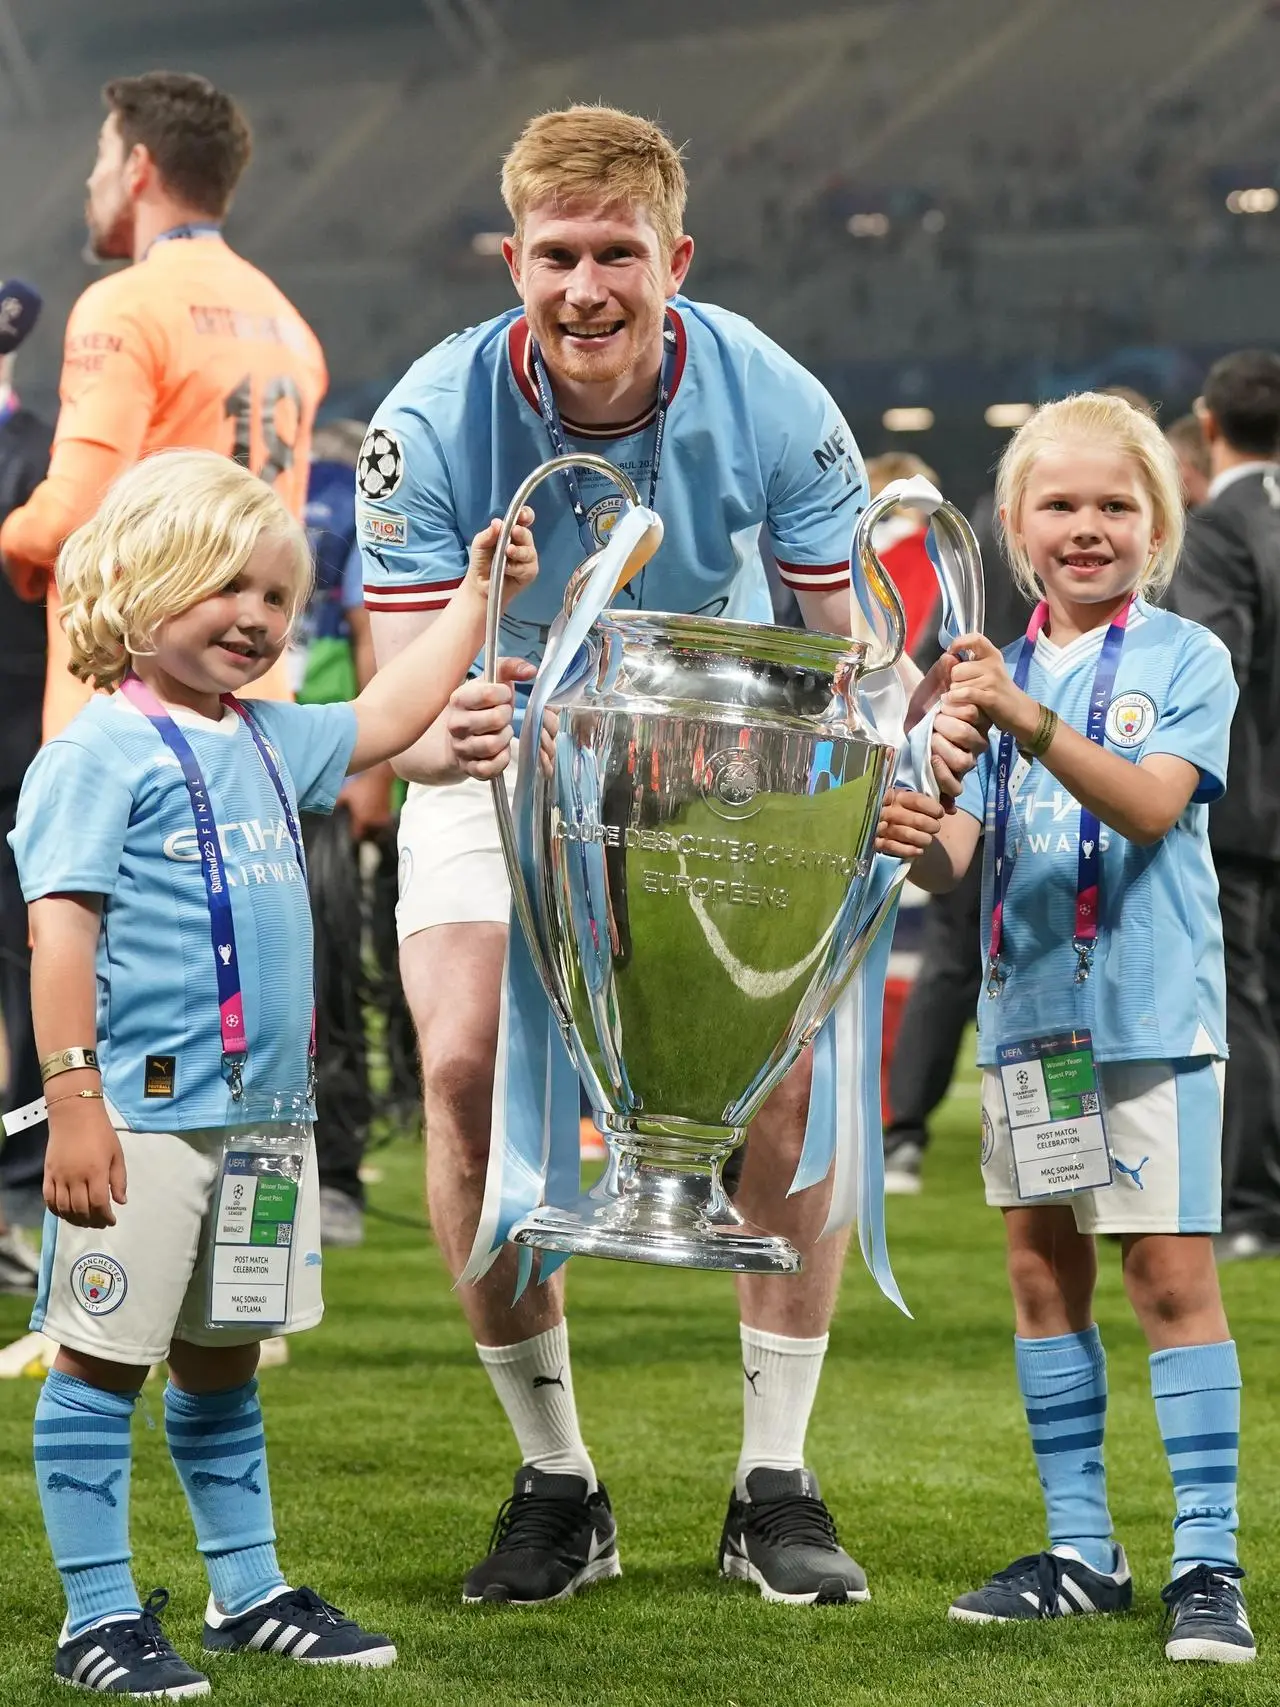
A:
(157, 845)
(1104, 1004)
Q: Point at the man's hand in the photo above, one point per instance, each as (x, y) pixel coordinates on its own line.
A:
(84, 1169)
(522, 557)
(478, 720)
(908, 823)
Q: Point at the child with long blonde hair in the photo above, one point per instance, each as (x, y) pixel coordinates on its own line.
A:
(157, 844)
(1101, 1029)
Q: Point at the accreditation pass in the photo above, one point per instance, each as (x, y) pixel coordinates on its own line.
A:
(1054, 1105)
(253, 1238)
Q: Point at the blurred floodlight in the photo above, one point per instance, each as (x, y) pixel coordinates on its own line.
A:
(868, 224)
(934, 221)
(1009, 414)
(487, 242)
(1264, 199)
(907, 420)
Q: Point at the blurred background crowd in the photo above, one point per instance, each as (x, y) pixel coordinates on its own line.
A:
(948, 209)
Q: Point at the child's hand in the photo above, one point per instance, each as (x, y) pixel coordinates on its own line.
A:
(908, 823)
(522, 557)
(982, 681)
(84, 1165)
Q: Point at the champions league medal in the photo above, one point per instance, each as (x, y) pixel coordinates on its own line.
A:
(691, 876)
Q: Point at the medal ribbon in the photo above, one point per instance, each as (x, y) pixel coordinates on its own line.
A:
(560, 445)
(1089, 864)
(222, 931)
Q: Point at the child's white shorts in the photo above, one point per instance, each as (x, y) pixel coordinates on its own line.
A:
(1164, 1121)
(125, 1292)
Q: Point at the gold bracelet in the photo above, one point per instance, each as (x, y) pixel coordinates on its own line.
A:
(67, 1061)
(1045, 730)
(72, 1096)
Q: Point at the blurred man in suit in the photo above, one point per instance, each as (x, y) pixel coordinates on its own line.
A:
(1229, 580)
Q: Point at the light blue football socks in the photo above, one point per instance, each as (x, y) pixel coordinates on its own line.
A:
(1197, 1393)
(83, 1455)
(1064, 1389)
(219, 1450)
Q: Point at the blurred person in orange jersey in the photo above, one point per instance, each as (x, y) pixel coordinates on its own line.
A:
(189, 346)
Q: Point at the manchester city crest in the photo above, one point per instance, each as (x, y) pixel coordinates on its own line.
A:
(1130, 719)
(98, 1284)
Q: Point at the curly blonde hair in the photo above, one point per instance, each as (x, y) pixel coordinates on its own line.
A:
(1094, 418)
(596, 154)
(173, 530)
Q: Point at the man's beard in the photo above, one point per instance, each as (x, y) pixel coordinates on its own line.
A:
(112, 240)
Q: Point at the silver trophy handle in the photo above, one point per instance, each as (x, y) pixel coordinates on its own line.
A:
(520, 895)
(959, 565)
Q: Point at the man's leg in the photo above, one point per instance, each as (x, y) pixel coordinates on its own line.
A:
(778, 1533)
(1251, 1105)
(940, 1006)
(560, 1533)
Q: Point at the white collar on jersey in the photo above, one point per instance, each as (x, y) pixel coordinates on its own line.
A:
(1060, 660)
(227, 724)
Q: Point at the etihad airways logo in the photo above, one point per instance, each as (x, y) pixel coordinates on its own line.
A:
(251, 850)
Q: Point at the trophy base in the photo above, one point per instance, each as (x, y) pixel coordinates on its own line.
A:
(644, 1211)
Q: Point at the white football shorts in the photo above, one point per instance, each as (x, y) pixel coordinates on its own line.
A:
(1164, 1122)
(125, 1292)
(451, 870)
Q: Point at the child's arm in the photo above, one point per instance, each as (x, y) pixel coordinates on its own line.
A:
(84, 1165)
(411, 690)
(946, 859)
(1142, 802)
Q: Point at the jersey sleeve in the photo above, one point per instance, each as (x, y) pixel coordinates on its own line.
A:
(316, 742)
(816, 485)
(110, 382)
(973, 791)
(414, 554)
(1195, 722)
(73, 814)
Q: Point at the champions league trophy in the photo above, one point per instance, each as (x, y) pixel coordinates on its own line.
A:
(691, 872)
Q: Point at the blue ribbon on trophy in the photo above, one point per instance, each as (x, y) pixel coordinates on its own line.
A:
(534, 1159)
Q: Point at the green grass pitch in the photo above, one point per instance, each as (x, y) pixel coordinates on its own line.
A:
(389, 1456)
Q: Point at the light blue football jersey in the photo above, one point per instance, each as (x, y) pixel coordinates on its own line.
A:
(751, 440)
(105, 811)
(1157, 989)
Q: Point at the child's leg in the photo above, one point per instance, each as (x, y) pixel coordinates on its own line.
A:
(1195, 1379)
(213, 1421)
(83, 1456)
(1062, 1373)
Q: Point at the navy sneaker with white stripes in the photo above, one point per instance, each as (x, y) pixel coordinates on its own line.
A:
(1047, 1585)
(128, 1656)
(1209, 1618)
(298, 1625)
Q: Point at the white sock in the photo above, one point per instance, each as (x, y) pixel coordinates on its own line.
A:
(779, 1383)
(534, 1384)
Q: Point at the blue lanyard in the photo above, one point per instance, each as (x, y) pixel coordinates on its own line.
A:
(1089, 863)
(222, 930)
(560, 445)
(177, 232)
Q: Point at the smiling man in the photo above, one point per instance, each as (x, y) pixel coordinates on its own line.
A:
(725, 435)
(189, 346)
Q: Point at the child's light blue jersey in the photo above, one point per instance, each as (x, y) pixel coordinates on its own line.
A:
(1157, 989)
(751, 440)
(105, 811)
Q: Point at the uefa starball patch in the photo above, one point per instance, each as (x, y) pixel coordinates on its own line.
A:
(380, 466)
(98, 1284)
